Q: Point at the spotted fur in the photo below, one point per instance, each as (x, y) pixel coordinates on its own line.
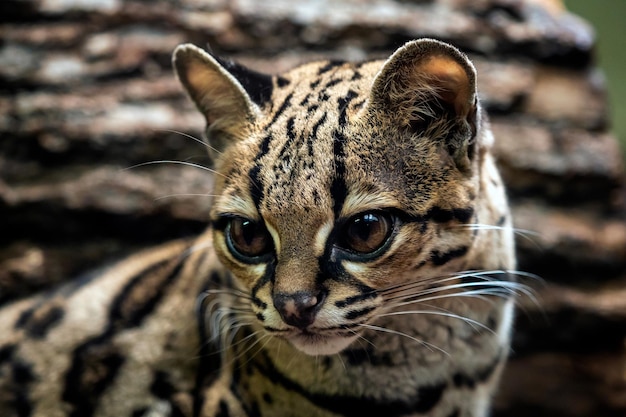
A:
(359, 260)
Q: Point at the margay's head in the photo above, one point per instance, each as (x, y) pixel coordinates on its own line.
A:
(339, 185)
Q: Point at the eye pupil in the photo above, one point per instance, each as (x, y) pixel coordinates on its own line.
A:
(248, 238)
(367, 232)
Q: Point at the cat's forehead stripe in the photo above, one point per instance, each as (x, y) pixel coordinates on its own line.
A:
(297, 141)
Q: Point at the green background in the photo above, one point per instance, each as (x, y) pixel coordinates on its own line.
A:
(608, 18)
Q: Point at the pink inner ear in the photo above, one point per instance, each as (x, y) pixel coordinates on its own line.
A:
(452, 82)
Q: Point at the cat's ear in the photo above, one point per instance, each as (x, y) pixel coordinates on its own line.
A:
(227, 94)
(428, 88)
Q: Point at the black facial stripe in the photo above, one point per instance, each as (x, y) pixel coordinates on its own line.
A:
(439, 215)
(267, 277)
(355, 314)
(439, 258)
(338, 188)
(259, 303)
(284, 156)
(282, 108)
(347, 327)
(343, 103)
(367, 293)
(256, 186)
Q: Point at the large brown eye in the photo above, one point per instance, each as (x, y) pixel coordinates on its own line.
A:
(367, 232)
(247, 239)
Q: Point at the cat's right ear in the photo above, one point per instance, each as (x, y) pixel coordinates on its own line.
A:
(218, 95)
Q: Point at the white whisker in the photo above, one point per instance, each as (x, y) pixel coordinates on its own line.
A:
(343, 364)
(230, 291)
(264, 338)
(198, 247)
(185, 195)
(189, 164)
(195, 139)
(472, 323)
(486, 279)
(395, 332)
(525, 233)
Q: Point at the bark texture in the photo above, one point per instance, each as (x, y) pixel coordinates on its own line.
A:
(87, 91)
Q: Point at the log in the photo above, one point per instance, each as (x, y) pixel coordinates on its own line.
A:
(87, 93)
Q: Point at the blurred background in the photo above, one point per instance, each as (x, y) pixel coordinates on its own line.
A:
(607, 18)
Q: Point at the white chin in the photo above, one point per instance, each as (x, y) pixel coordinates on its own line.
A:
(316, 345)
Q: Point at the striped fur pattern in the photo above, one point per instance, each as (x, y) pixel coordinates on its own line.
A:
(359, 260)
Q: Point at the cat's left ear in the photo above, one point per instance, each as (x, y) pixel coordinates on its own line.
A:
(429, 89)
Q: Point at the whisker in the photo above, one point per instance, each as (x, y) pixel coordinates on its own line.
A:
(525, 274)
(478, 294)
(189, 164)
(185, 195)
(482, 226)
(231, 338)
(505, 288)
(229, 291)
(341, 361)
(472, 323)
(198, 247)
(525, 233)
(395, 332)
(195, 139)
(403, 287)
(486, 276)
(266, 338)
(228, 332)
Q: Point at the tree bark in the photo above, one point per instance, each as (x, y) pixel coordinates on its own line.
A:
(87, 93)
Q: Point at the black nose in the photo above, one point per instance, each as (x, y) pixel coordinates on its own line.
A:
(299, 308)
